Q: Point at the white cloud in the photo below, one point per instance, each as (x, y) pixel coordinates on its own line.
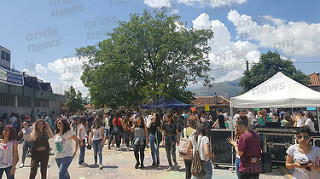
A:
(158, 3)
(40, 69)
(68, 71)
(292, 38)
(227, 57)
(212, 3)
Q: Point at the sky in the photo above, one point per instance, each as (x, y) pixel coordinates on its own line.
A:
(43, 34)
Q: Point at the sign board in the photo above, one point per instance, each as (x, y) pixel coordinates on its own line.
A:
(256, 109)
(11, 78)
(311, 108)
(193, 109)
(206, 107)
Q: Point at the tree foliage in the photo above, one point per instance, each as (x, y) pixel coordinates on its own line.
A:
(74, 101)
(270, 64)
(151, 56)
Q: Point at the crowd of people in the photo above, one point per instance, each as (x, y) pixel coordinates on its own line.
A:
(136, 130)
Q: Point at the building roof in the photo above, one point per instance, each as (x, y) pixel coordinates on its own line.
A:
(314, 79)
(89, 106)
(210, 100)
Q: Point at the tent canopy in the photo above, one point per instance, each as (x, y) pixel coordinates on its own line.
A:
(278, 91)
(165, 103)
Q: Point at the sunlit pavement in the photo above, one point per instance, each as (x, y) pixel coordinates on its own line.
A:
(120, 164)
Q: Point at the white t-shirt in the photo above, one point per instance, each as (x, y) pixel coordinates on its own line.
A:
(314, 156)
(83, 133)
(64, 145)
(97, 133)
(301, 121)
(250, 115)
(6, 157)
(27, 133)
(310, 124)
(203, 140)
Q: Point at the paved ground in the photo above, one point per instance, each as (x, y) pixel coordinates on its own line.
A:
(120, 164)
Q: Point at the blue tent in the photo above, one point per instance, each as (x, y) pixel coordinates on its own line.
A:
(165, 103)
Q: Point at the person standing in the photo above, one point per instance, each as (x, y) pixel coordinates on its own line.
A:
(200, 141)
(82, 140)
(170, 137)
(140, 140)
(191, 123)
(248, 148)
(264, 118)
(40, 150)
(117, 128)
(303, 157)
(155, 126)
(8, 152)
(27, 143)
(97, 140)
(128, 134)
(64, 152)
(309, 122)
(300, 120)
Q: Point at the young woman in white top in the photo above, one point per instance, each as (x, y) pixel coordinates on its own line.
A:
(64, 150)
(300, 119)
(97, 138)
(303, 157)
(309, 122)
(27, 143)
(199, 140)
(8, 152)
(82, 140)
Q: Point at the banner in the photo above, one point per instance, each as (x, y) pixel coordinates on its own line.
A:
(10, 77)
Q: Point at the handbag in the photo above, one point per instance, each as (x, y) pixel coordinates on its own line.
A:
(89, 147)
(138, 141)
(197, 169)
(158, 137)
(182, 149)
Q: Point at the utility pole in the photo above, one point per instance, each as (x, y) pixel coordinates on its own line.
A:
(247, 64)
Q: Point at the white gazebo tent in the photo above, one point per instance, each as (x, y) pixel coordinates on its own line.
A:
(278, 91)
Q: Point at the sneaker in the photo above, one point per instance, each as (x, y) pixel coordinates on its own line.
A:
(84, 164)
(95, 165)
(22, 165)
(100, 166)
(169, 169)
(137, 165)
(80, 166)
(153, 165)
(118, 149)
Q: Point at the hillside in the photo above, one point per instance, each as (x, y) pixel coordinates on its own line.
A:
(227, 89)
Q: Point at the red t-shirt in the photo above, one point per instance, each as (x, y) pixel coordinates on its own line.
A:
(249, 144)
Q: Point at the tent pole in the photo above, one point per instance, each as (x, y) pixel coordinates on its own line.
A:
(232, 132)
(317, 113)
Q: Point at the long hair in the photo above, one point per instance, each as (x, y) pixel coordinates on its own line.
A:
(66, 126)
(203, 129)
(136, 122)
(12, 132)
(37, 130)
(97, 123)
(82, 120)
(158, 119)
(172, 120)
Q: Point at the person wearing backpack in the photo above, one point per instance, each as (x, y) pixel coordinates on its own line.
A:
(199, 140)
(187, 132)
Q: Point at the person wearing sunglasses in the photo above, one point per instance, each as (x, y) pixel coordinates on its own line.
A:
(303, 157)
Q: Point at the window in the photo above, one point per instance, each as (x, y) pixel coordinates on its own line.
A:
(7, 100)
(24, 101)
(8, 57)
(3, 55)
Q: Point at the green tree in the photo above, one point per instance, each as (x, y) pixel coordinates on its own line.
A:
(74, 101)
(151, 56)
(270, 64)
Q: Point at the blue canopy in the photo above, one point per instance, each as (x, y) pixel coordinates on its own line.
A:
(165, 103)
